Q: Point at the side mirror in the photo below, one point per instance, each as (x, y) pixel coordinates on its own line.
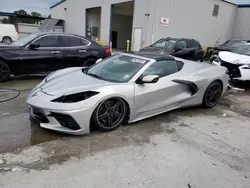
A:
(148, 79)
(98, 61)
(34, 46)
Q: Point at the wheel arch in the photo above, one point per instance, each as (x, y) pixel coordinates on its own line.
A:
(6, 37)
(110, 97)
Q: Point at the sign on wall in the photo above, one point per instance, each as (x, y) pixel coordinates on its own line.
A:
(164, 21)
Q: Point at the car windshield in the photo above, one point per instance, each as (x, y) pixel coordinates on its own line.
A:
(233, 43)
(165, 43)
(118, 68)
(243, 50)
(24, 40)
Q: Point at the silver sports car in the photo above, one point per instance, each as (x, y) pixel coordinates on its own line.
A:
(123, 89)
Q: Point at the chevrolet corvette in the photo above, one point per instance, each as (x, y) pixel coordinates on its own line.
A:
(123, 88)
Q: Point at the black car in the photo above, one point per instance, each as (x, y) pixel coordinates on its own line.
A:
(46, 52)
(229, 45)
(179, 47)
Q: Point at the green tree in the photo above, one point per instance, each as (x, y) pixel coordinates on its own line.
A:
(36, 14)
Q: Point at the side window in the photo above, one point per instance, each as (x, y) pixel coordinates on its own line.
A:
(71, 41)
(181, 45)
(191, 44)
(48, 41)
(160, 43)
(162, 68)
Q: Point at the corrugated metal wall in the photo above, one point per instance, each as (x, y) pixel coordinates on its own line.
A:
(187, 18)
(242, 26)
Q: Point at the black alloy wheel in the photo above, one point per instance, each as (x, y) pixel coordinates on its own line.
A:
(212, 94)
(110, 114)
(4, 72)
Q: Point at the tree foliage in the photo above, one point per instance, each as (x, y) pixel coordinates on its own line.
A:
(23, 17)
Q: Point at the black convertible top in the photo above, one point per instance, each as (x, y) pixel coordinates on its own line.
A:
(157, 57)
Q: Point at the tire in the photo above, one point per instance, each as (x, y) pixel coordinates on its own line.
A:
(212, 94)
(89, 62)
(7, 40)
(114, 112)
(4, 72)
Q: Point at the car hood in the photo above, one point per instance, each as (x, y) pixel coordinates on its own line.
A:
(234, 58)
(69, 81)
(153, 50)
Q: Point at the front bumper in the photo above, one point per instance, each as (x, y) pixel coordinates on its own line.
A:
(75, 122)
(236, 72)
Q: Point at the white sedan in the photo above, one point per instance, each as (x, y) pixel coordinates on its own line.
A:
(237, 62)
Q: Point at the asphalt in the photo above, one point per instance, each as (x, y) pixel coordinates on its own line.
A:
(191, 147)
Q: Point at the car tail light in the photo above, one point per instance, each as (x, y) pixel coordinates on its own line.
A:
(108, 52)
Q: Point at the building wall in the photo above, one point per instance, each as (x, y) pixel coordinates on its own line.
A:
(242, 26)
(123, 25)
(75, 16)
(58, 12)
(192, 19)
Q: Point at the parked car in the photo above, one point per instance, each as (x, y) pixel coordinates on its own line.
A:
(123, 88)
(47, 52)
(230, 45)
(189, 49)
(237, 62)
(8, 33)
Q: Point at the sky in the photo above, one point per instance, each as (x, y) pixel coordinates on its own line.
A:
(42, 6)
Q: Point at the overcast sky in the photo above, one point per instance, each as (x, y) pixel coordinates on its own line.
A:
(42, 6)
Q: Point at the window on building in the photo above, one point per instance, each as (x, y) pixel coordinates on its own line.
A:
(216, 10)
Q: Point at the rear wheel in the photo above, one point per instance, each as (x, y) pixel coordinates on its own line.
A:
(4, 72)
(7, 40)
(89, 62)
(110, 114)
(212, 94)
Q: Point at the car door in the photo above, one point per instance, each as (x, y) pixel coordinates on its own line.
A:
(44, 58)
(154, 98)
(181, 49)
(74, 49)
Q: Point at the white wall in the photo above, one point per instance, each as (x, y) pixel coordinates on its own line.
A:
(75, 16)
(242, 26)
(123, 25)
(191, 19)
(94, 20)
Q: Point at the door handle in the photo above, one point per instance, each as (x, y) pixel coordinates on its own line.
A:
(82, 51)
(55, 52)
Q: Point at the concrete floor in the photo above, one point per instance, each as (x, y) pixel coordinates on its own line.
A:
(192, 147)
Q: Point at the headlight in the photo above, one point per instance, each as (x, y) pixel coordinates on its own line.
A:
(77, 97)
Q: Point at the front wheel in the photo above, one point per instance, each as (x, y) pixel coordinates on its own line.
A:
(4, 72)
(212, 94)
(110, 114)
(7, 40)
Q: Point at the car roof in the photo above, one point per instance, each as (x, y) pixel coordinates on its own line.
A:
(57, 33)
(155, 56)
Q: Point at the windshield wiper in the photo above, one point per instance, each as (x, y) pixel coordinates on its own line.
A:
(94, 75)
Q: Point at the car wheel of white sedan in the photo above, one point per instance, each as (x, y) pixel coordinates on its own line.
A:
(110, 114)
(212, 94)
